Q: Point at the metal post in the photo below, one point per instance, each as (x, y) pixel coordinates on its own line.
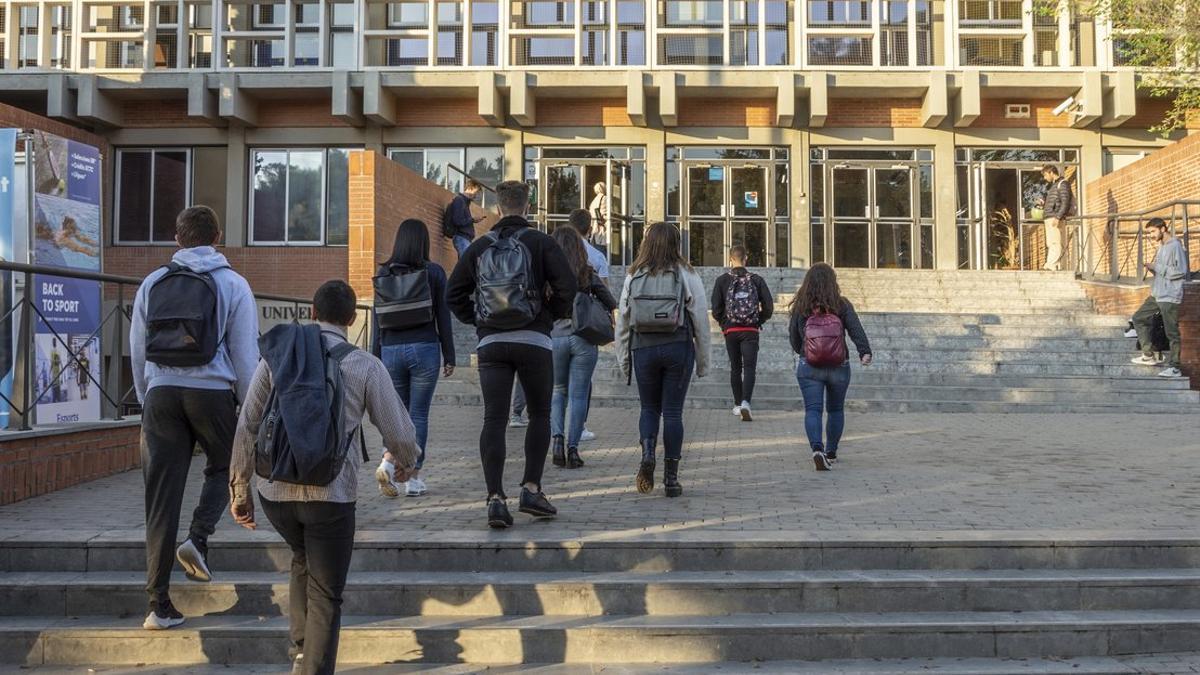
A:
(1113, 257)
(119, 352)
(1141, 252)
(26, 353)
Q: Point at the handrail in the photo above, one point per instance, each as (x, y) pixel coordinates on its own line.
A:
(1135, 214)
(1115, 252)
(117, 397)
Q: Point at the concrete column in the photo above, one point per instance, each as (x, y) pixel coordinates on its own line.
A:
(1091, 167)
(656, 177)
(236, 181)
(514, 156)
(800, 200)
(945, 234)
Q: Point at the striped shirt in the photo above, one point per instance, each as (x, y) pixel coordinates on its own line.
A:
(368, 390)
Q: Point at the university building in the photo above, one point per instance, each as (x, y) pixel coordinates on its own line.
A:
(865, 133)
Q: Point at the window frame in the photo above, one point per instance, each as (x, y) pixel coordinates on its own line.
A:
(323, 240)
(463, 151)
(188, 191)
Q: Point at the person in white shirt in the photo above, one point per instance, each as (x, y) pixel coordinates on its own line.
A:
(598, 208)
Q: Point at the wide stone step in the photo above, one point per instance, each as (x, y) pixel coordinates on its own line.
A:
(518, 551)
(447, 594)
(237, 639)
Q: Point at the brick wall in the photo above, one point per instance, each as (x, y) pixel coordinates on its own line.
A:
(1041, 115)
(726, 112)
(565, 112)
(382, 195)
(41, 462)
(157, 114)
(11, 117)
(1116, 299)
(874, 112)
(279, 270)
(1123, 300)
(439, 112)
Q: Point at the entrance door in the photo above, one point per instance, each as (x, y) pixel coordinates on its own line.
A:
(873, 220)
(1009, 207)
(599, 187)
(727, 205)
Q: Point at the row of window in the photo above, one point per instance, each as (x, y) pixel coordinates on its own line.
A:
(410, 33)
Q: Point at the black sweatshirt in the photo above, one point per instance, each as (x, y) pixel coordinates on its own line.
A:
(850, 325)
(439, 330)
(548, 267)
(765, 300)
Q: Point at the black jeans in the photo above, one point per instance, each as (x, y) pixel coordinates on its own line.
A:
(663, 375)
(533, 367)
(174, 419)
(743, 361)
(321, 536)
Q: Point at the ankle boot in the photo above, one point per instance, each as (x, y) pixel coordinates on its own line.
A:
(558, 446)
(574, 461)
(645, 474)
(671, 478)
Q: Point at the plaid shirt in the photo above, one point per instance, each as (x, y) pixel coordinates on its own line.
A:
(368, 390)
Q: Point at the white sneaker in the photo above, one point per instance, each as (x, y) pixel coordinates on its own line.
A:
(195, 568)
(737, 411)
(169, 619)
(516, 422)
(586, 436)
(414, 487)
(1143, 360)
(388, 487)
(1131, 333)
(1170, 372)
(746, 417)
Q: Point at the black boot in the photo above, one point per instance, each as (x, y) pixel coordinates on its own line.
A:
(671, 478)
(645, 475)
(574, 461)
(558, 445)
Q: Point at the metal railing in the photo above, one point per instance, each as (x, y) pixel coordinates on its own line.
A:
(1113, 247)
(114, 383)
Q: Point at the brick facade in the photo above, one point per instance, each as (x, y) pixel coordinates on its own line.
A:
(726, 112)
(36, 463)
(278, 270)
(874, 112)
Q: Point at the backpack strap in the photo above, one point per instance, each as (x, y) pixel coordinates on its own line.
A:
(338, 353)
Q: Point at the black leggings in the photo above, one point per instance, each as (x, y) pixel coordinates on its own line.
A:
(533, 367)
(743, 361)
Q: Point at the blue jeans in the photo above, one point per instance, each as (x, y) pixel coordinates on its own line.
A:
(574, 363)
(414, 368)
(663, 374)
(824, 388)
(460, 244)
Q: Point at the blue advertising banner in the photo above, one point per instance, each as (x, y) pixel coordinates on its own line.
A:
(66, 208)
(8, 144)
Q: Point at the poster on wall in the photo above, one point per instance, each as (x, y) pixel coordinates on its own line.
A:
(66, 233)
(8, 184)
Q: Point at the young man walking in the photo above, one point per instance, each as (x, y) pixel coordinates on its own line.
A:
(1059, 204)
(189, 373)
(318, 522)
(1170, 269)
(460, 223)
(511, 285)
(741, 304)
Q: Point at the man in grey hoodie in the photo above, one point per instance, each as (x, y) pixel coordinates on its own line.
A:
(182, 406)
(1170, 269)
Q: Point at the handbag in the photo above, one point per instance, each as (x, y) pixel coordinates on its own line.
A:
(591, 321)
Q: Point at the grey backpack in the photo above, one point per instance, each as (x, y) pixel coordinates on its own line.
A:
(656, 302)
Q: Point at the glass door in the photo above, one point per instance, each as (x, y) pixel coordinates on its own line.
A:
(893, 228)
(562, 192)
(749, 212)
(852, 216)
(620, 225)
(727, 205)
(706, 214)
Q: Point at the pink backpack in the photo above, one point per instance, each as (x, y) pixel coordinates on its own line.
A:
(824, 344)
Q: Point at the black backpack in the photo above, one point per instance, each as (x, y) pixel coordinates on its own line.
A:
(504, 296)
(181, 318)
(403, 298)
(1158, 335)
(274, 456)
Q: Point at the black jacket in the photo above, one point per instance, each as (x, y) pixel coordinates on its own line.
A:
(548, 267)
(1060, 202)
(765, 300)
(850, 324)
(459, 213)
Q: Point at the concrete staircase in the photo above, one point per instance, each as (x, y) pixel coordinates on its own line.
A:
(622, 600)
(943, 341)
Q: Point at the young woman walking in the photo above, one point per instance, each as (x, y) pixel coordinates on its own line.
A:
(413, 337)
(820, 320)
(576, 350)
(662, 334)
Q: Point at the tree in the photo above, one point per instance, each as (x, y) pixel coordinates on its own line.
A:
(1161, 38)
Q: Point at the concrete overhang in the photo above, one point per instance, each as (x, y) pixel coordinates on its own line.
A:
(1030, 84)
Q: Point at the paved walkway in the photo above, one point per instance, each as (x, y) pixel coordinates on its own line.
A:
(1040, 475)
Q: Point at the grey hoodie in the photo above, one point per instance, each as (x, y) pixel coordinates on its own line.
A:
(237, 316)
(1170, 270)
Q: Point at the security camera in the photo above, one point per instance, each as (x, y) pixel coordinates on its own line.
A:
(1064, 106)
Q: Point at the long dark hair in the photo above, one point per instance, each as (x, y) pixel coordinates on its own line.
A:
(411, 246)
(818, 291)
(659, 251)
(572, 244)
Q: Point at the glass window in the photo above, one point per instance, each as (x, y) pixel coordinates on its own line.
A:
(485, 162)
(299, 196)
(153, 186)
